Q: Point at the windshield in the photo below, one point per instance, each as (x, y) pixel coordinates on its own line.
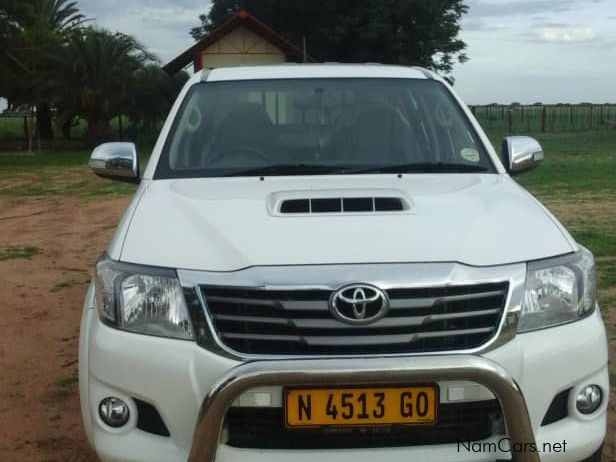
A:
(320, 126)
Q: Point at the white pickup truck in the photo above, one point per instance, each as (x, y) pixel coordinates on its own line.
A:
(331, 262)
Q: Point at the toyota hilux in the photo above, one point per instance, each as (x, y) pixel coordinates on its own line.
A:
(332, 262)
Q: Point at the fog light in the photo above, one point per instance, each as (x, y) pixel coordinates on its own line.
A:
(114, 412)
(589, 399)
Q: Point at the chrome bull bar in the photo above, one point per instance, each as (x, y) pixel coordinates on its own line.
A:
(377, 372)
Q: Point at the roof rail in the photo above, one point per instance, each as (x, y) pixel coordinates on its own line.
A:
(425, 72)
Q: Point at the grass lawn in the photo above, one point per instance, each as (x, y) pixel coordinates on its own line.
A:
(51, 173)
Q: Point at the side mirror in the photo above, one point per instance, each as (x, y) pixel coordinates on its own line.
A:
(521, 153)
(116, 161)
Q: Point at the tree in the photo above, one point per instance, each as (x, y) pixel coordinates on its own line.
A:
(29, 31)
(152, 95)
(418, 32)
(93, 76)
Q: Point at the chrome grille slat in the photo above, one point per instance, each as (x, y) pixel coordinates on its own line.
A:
(300, 305)
(358, 340)
(275, 338)
(314, 305)
(239, 301)
(255, 319)
(263, 321)
(333, 324)
(431, 301)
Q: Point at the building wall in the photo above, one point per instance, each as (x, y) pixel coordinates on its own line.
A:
(242, 47)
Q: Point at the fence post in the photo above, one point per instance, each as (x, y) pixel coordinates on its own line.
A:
(544, 110)
(510, 120)
(590, 121)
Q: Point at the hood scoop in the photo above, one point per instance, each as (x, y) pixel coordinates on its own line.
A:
(338, 202)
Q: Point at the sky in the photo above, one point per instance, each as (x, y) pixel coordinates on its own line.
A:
(546, 51)
(527, 51)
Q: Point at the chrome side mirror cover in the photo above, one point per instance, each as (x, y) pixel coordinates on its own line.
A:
(116, 161)
(521, 153)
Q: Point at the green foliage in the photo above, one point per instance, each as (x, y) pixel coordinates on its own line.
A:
(29, 31)
(151, 95)
(92, 74)
(418, 32)
(49, 60)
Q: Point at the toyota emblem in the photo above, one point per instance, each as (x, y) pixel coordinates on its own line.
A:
(359, 304)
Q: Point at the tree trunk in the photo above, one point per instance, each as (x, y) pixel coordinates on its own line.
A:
(66, 128)
(98, 130)
(44, 123)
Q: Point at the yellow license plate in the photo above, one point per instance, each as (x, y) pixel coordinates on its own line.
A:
(310, 407)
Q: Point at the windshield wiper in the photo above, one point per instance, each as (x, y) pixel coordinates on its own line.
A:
(320, 169)
(288, 169)
(421, 167)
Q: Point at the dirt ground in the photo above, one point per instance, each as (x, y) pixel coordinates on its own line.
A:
(40, 305)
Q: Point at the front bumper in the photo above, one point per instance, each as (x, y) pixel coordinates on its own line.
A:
(340, 372)
(180, 378)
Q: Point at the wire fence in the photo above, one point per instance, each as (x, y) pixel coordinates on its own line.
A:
(546, 118)
(18, 129)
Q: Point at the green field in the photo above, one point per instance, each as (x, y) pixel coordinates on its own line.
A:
(55, 173)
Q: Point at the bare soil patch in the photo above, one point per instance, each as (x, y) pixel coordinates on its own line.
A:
(40, 309)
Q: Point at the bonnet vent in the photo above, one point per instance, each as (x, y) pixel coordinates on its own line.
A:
(343, 205)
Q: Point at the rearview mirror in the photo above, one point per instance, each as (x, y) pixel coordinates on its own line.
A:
(116, 161)
(521, 153)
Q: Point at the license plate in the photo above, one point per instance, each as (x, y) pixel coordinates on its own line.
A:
(313, 407)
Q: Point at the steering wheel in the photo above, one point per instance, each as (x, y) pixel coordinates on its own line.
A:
(240, 150)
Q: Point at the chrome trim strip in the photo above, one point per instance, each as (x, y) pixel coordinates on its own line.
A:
(341, 372)
(384, 276)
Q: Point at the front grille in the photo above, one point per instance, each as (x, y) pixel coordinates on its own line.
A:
(298, 322)
(263, 428)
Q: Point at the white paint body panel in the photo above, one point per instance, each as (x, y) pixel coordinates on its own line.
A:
(224, 224)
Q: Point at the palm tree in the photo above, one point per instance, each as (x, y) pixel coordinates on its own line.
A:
(61, 15)
(30, 30)
(93, 74)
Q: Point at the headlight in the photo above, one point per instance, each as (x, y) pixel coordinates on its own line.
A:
(559, 291)
(142, 299)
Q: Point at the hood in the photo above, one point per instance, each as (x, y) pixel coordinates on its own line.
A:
(226, 224)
